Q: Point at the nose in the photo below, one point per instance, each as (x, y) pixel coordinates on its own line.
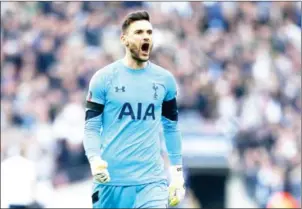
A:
(146, 38)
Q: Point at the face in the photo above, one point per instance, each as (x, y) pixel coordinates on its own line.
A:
(138, 40)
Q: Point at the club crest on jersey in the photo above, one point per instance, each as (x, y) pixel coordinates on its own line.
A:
(122, 89)
(155, 88)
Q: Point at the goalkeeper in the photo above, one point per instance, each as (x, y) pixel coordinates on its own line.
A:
(128, 103)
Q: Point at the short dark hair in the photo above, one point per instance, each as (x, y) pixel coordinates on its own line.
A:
(134, 16)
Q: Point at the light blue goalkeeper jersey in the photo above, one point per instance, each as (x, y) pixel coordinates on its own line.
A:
(127, 133)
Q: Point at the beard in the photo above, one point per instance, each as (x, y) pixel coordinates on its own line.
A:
(135, 53)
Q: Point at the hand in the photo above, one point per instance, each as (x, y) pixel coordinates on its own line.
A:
(176, 188)
(99, 170)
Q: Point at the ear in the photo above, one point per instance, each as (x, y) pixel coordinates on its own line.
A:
(123, 39)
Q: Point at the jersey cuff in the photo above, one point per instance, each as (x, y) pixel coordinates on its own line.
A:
(175, 159)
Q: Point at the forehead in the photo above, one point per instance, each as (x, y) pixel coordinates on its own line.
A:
(140, 25)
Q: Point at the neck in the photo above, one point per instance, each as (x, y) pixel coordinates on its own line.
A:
(132, 63)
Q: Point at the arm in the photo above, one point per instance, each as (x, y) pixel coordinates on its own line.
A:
(171, 131)
(93, 116)
(93, 124)
(173, 142)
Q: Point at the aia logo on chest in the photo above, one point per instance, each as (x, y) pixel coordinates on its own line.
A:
(143, 112)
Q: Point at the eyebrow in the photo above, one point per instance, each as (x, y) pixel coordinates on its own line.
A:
(137, 30)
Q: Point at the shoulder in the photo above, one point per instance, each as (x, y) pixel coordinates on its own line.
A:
(106, 71)
(162, 71)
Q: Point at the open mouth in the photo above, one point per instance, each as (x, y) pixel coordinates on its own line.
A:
(145, 47)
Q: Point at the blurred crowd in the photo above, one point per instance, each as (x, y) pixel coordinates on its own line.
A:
(231, 60)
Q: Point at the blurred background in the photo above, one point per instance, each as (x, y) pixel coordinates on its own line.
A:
(238, 67)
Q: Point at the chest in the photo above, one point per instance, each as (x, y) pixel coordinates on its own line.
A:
(136, 90)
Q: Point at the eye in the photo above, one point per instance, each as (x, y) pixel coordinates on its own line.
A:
(149, 32)
(138, 32)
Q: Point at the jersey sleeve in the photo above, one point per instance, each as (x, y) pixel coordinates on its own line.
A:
(171, 88)
(171, 132)
(97, 88)
(93, 116)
